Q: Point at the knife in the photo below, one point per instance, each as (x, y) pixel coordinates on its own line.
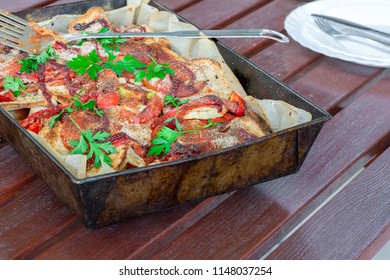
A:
(351, 28)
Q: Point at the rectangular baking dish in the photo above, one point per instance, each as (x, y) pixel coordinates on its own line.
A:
(106, 199)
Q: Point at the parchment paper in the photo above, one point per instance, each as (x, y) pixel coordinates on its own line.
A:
(279, 114)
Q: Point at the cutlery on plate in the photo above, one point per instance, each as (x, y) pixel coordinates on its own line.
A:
(16, 33)
(337, 27)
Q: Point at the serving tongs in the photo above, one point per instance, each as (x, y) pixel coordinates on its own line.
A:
(17, 33)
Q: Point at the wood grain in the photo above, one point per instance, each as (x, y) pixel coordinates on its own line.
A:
(178, 5)
(285, 60)
(29, 216)
(271, 16)
(220, 14)
(15, 177)
(136, 238)
(337, 231)
(20, 5)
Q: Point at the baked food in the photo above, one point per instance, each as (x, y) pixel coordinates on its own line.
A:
(126, 103)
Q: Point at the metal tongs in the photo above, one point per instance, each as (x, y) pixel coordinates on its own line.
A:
(17, 33)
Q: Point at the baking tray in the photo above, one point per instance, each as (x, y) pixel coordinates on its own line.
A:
(106, 199)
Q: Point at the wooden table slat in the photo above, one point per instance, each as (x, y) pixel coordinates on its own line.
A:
(331, 81)
(15, 177)
(138, 236)
(336, 230)
(276, 59)
(29, 217)
(271, 16)
(220, 14)
(177, 5)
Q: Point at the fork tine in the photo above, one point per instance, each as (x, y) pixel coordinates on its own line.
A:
(319, 23)
(9, 38)
(13, 17)
(10, 29)
(11, 23)
(10, 44)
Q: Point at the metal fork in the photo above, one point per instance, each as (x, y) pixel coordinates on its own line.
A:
(364, 32)
(325, 26)
(16, 33)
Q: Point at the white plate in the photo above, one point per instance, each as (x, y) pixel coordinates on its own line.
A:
(301, 27)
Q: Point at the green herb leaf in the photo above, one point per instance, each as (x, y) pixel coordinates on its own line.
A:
(156, 70)
(90, 105)
(165, 138)
(110, 44)
(86, 64)
(55, 119)
(28, 65)
(128, 63)
(209, 124)
(81, 146)
(97, 150)
(174, 101)
(31, 64)
(162, 143)
(15, 85)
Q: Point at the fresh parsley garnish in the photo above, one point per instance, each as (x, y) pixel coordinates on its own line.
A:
(128, 63)
(90, 64)
(174, 101)
(209, 124)
(14, 84)
(31, 64)
(76, 102)
(110, 44)
(93, 144)
(158, 70)
(165, 138)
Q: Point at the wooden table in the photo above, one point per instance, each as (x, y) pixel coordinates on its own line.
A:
(336, 207)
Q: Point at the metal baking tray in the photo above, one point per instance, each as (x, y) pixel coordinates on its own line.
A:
(106, 199)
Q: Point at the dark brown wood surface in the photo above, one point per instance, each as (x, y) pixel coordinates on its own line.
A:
(255, 222)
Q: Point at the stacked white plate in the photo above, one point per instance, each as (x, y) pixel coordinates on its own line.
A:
(301, 27)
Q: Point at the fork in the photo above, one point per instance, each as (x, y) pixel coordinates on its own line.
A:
(15, 32)
(324, 25)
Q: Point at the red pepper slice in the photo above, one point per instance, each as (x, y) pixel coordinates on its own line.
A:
(34, 121)
(107, 99)
(239, 110)
(7, 97)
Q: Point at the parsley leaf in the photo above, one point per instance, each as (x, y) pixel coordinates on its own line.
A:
(31, 64)
(128, 63)
(110, 44)
(210, 124)
(157, 70)
(90, 105)
(28, 65)
(15, 85)
(97, 148)
(162, 143)
(92, 64)
(174, 101)
(165, 138)
(86, 64)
